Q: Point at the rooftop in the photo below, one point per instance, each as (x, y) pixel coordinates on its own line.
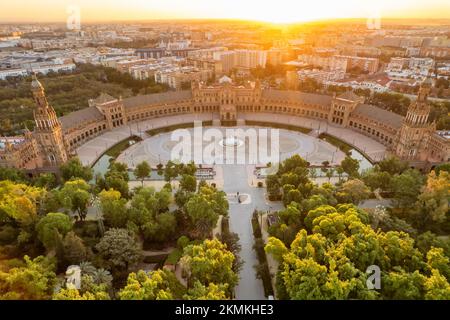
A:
(380, 115)
(73, 119)
(310, 98)
(104, 98)
(165, 97)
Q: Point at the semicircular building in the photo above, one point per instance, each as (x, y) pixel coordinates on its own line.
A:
(54, 140)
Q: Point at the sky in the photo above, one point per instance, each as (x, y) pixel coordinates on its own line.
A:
(275, 11)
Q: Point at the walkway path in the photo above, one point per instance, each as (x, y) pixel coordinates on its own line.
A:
(249, 286)
(236, 180)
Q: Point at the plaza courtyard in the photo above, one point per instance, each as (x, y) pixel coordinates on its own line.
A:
(159, 148)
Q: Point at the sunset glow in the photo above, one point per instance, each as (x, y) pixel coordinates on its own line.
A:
(280, 11)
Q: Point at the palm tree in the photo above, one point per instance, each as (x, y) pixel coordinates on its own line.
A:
(87, 268)
(103, 276)
(312, 173)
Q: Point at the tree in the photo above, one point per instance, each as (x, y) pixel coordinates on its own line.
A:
(91, 288)
(74, 294)
(432, 206)
(392, 165)
(74, 169)
(12, 174)
(162, 228)
(406, 187)
(210, 262)
(210, 292)
(442, 167)
(437, 260)
(189, 168)
(170, 171)
(75, 196)
(340, 172)
(273, 187)
(118, 169)
(350, 166)
(74, 249)
(45, 180)
(425, 241)
(160, 170)
(51, 227)
(402, 285)
(330, 173)
(354, 191)
(201, 214)
(115, 178)
(113, 208)
(148, 214)
(231, 240)
(291, 215)
(102, 277)
(155, 285)
(377, 179)
(437, 287)
(181, 197)
(118, 250)
(117, 182)
(33, 281)
(142, 171)
(276, 248)
(188, 183)
(216, 198)
(19, 202)
(328, 260)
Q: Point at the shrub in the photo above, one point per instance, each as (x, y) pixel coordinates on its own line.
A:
(174, 257)
(182, 242)
(8, 234)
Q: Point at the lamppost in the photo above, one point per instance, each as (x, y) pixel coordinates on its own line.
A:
(261, 216)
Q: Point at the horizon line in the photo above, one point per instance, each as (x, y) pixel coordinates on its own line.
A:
(226, 20)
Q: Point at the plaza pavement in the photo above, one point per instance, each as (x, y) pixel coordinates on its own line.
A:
(374, 150)
(93, 149)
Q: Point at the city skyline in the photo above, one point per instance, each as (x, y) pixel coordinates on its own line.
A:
(286, 11)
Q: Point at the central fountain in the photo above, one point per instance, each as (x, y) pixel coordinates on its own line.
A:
(231, 141)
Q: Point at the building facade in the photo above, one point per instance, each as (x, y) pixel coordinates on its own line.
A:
(54, 140)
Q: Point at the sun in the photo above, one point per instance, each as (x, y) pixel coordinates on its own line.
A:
(284, 11)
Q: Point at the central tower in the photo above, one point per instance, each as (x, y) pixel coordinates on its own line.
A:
(227, 96)
(48, 131)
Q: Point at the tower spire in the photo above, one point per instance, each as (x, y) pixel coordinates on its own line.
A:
(48, 129)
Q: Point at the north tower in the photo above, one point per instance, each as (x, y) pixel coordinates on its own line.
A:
(48, 131)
